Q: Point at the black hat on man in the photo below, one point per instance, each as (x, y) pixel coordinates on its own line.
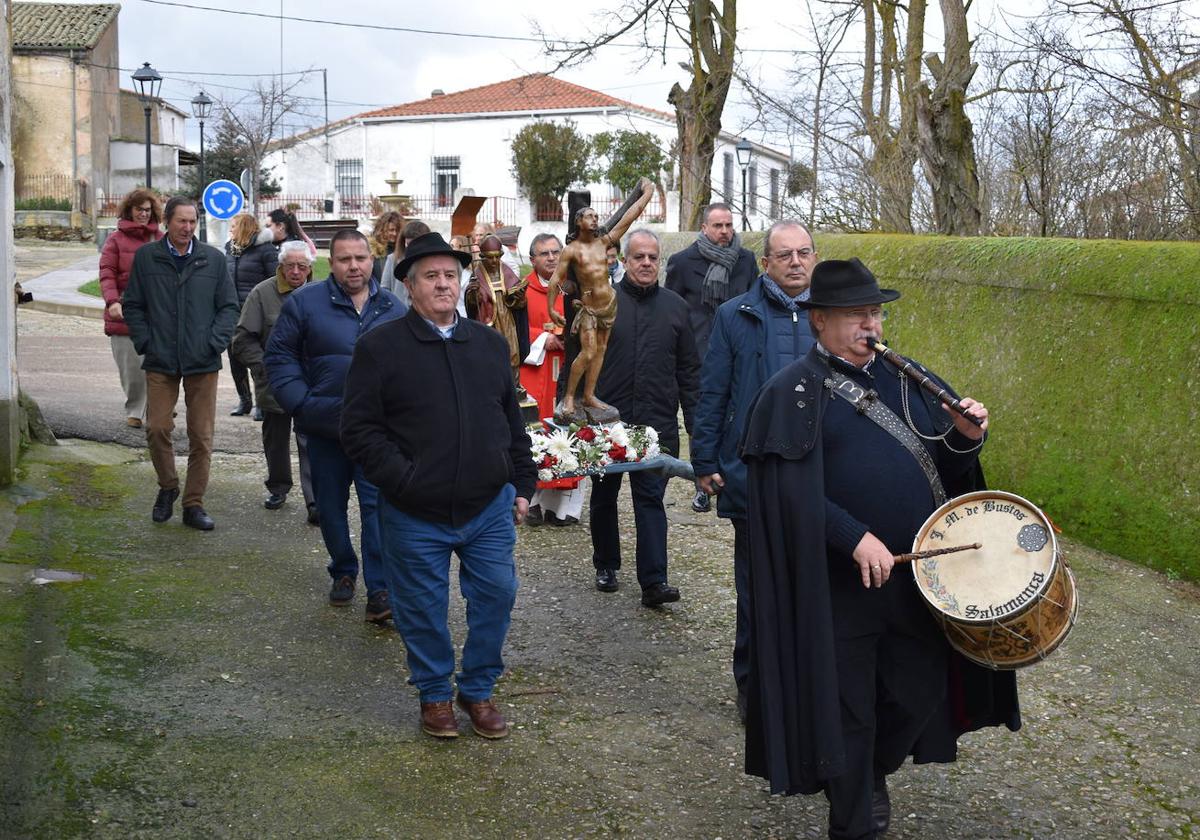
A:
(845, 283)
(428, 245)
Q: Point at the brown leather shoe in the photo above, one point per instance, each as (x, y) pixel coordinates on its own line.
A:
(486, 719)
(437, 719)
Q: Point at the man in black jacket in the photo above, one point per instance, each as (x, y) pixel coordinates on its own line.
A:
(713, 269)
(181, 308)
(431, 415)
(650, 370)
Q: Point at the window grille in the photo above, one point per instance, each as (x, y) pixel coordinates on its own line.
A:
(444, 178)
(348, 177)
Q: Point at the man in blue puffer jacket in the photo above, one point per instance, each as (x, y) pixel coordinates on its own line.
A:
(307, 358)
(754, 336)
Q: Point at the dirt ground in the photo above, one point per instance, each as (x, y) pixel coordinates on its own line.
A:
(199, 685)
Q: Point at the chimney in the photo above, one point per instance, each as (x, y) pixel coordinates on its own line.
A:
(437, 92)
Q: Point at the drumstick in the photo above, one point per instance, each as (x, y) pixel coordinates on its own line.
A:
(934, 552)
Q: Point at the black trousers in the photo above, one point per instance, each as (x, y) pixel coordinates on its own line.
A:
(891, 662)
(276, 438)
(649, 518)
(241, 378)
(741, 584)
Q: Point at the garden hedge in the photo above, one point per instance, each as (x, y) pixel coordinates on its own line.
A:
(1085, 353)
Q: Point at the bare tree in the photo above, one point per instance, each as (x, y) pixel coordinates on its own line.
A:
(260, 115)
(1149, 80)
(945, 135)
(709, 30)
(889, 82)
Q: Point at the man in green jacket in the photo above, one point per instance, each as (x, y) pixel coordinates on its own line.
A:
(181, 308)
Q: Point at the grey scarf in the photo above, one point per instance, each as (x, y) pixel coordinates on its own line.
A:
(721, 261)
(772, 290)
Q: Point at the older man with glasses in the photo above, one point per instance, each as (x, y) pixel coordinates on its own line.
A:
(850, 673)
(754, 336)
(259, 314)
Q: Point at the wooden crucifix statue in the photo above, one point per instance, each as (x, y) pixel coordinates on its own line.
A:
(585, 259)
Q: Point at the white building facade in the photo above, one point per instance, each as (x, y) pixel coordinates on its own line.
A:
(463, 141)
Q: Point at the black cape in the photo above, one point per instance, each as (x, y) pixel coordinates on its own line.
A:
(794, 723)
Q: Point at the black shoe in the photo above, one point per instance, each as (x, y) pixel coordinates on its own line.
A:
(534, 517)
(314, 516)
(560, 521)
(243, 408)
(701, 503)
(257, 416)
(164, 505)
(342, 591)
(881, 807)
(275, 501)
(606, 580)
(657, 594)
(195, 517)
(379, 607)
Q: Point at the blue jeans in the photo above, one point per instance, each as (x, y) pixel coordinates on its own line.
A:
(416, 559)
(332, 475)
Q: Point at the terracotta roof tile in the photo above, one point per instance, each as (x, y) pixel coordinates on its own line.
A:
(60, 26)
(537, 92)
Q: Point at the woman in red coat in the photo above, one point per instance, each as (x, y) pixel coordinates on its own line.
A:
(137, 224)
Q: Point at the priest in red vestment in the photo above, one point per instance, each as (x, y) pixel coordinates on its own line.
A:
(558, 502)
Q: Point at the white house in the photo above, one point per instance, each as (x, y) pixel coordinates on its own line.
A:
(462, 141)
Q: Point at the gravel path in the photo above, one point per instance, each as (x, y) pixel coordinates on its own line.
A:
(198, 685)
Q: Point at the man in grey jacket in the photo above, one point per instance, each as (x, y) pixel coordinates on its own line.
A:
(181, 308)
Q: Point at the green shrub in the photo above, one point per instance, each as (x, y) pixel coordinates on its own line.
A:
(43, 203)
(1085, 354)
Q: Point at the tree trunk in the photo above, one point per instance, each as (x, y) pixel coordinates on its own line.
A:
(893, 152)
(698, 109)
(945, 135)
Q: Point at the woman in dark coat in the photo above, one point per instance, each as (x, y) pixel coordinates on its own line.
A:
(137, 224)
(250, 258)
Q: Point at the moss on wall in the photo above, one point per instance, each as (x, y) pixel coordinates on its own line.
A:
(1086, 354)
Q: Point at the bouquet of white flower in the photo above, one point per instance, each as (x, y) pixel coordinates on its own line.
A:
(589, 450)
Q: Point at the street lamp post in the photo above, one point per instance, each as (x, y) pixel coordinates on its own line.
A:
(201, 108)
(148, 82)
(744, 151)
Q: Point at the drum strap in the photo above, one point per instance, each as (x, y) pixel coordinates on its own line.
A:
(867, 402)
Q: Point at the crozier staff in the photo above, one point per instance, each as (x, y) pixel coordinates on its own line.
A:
(849, 672)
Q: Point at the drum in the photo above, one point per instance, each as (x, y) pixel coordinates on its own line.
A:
(1008, 603)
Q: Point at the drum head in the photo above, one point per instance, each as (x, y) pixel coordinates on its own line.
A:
(1014, 564)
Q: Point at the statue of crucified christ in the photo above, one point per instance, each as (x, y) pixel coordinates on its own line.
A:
(597, 306)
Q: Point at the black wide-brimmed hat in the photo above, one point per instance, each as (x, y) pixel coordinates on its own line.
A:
(843, 283)
(428, 245)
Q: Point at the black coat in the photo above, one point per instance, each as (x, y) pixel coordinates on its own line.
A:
(651, 367)
(180, 318)
(251, 266)
(434, 423)
(685, 277)
(794, 721)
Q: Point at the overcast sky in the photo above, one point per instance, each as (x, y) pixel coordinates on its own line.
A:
(190, 42)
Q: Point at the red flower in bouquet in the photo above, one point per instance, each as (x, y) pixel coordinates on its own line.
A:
(586, 433)
(617, 453)
(546, 463)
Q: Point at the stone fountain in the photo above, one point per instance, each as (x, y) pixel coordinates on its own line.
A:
(393, 200)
